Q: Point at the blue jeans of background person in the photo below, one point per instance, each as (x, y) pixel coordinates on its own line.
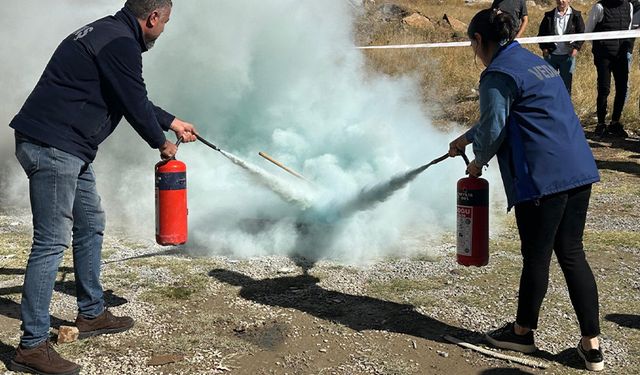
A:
(64, 201)
(556, 223)
(565, 65)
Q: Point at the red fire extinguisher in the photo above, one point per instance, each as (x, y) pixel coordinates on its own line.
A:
(171, 202)
(473, 221)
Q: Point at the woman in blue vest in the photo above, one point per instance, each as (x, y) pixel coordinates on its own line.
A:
(528, 121)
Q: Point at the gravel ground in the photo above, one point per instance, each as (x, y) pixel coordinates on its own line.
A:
(213, 315)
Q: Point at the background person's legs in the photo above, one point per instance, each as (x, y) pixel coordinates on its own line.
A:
(604, 86)
(565, 65)
(620, 70)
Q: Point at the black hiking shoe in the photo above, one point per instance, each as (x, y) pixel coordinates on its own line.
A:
(593, 359)
(600, 131)
(615, 129)
(506, 338)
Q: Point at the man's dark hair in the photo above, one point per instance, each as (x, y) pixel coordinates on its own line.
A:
(142, 8)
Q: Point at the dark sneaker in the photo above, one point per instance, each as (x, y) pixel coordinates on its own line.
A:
(42, 359)
(615, 129)
(506, 338)
(593, 359)
(600, 131)
(103, 324)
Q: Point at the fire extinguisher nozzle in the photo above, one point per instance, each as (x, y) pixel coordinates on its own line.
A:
(208, 143)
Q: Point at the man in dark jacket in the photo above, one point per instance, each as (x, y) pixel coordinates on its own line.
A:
(93, 79)
(611, 57)
(564, 19)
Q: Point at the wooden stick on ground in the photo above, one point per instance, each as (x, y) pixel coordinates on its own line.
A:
(491, 353)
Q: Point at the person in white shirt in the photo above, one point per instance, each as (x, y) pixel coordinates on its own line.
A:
(611, 57)
(562, 20)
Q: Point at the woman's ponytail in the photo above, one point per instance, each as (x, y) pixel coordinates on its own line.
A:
(493, 25)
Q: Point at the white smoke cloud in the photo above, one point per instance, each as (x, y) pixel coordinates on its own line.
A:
(276, 76)
(31, 30)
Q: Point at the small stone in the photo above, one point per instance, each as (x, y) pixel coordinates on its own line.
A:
(67, 334)
(322, 350)
(286, 270)
(164, 359)
(442, 354)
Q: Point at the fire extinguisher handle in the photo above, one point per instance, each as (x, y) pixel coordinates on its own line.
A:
(178, 141)
(464, 156)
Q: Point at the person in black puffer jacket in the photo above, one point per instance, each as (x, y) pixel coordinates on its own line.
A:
(611, 57)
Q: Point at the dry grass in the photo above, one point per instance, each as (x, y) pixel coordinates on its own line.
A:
(449, 76)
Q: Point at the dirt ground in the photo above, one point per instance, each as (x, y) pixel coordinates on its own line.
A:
(198, 315)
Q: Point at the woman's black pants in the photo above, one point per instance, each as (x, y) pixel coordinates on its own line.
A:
(556, 222)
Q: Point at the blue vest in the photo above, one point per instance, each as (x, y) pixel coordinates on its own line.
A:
(545, 150)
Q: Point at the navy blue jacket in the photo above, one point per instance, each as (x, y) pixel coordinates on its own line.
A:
(93, 79)
(544, 150)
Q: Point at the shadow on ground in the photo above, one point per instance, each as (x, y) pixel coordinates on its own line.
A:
(356, 312)
(625, 320)
(362, 313)
(7, 352)
(505, 371)
(11, 309)
(631, 167)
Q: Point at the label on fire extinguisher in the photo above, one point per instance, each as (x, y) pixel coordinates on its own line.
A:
(465, 224)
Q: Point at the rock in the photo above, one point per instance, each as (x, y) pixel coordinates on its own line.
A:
(322, 350)
(418, 21)
(67, 334)
(455, 24)
(391, 12)
(164, 359)
(473, 2)
(286, 270)
(442, 353)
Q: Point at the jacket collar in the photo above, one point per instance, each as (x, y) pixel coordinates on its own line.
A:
(569, 12)
(513, 44)
(127, 17)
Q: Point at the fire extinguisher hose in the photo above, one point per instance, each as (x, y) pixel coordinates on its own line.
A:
(208, 143)
(445, 157)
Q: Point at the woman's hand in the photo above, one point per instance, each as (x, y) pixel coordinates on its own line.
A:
(474, 169)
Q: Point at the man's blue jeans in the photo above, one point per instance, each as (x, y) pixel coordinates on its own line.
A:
(565, 65)
(64, 200)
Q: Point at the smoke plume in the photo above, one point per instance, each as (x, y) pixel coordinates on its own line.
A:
(276, 76)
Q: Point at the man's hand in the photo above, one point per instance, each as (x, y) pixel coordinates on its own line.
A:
(184, 130)
(474, 169)
(168, 150)
(545, 53)
(458, 145)
(574, 52)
